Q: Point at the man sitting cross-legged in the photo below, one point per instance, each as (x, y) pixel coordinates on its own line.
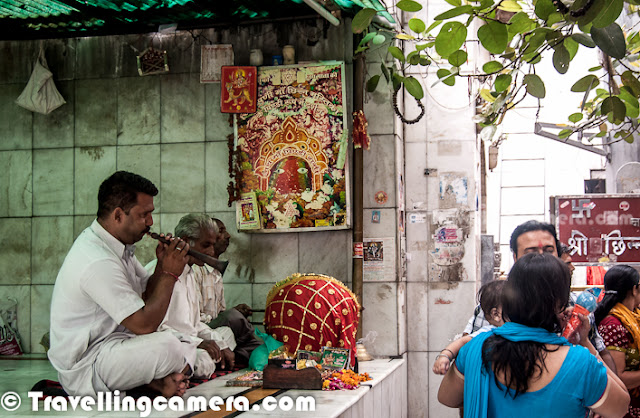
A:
(215, 346)
(106, 308)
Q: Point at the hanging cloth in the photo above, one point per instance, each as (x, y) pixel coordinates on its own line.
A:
(41, 94)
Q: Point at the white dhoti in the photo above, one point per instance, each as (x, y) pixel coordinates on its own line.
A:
(128, 362)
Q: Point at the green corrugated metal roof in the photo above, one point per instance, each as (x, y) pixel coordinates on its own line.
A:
(28, 19)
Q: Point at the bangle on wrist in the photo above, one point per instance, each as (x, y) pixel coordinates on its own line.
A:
(452, 355)
(170, 274)
(445, 356)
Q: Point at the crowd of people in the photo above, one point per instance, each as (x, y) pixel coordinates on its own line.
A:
(117, 326)
(513, 360)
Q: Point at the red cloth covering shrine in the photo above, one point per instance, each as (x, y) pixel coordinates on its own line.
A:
(309, 311)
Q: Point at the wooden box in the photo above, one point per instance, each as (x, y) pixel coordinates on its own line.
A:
(275, 377)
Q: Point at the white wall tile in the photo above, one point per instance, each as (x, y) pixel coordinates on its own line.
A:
(217, 124)
(182, 191)
(182, 110)
(326, 253)
(53, 182)
(418, 315)
(52, 238)
(455, 302)
(93, 165)
(40, 307)
(96, 110)
(274, 256)
(379, 172)
(16, 121)
(16, 183)
(138, 110)
(15, 250)
(381, 315)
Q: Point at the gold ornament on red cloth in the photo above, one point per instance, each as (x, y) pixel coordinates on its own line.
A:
(324, 313)
(361, 138)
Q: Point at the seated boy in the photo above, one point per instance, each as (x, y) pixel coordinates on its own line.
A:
(490, 296)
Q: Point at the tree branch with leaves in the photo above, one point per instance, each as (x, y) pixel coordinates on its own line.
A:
(518, 33)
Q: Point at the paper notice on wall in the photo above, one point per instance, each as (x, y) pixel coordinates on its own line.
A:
(379, 259)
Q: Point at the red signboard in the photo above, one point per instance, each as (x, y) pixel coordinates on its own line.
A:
(599, 228)
(239, 89)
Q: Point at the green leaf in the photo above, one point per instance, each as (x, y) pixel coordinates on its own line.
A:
(445, 76)
(493, 36)
(432, 26)
(576, 117)
(613, 105)
(592, 12)
(362, 19)
(629, 139)
(484, 4)
(630, 80)
(492, 67)
(385, 71)
(413, 58)
(396, 53)
(414, 87)
(572, 47)
(584, 39)
(416, 25)
(610, 40)
(520, 23)
(424, 61)
(456, 11)
(450, 39)
(372, 83)
(458, 58)
(369, 36)
(587, 82)
(502, 83)
(533, 42)
(561, 59)
(409, 6)
(630, 103)
(544, 8)
(535, 86)
(554, 18)
(596, 68)
(565, 133)
(379, 39)
(454, 3)
(608, 14)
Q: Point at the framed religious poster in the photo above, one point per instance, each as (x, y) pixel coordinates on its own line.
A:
(238, 89)
(292, 151)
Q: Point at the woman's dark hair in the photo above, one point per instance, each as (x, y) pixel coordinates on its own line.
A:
(490, 296)
(618, 282)
(121, 190)
(536, 291)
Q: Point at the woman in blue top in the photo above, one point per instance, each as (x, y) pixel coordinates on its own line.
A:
(524, 368)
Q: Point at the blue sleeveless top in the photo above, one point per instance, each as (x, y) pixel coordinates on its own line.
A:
(579, 383)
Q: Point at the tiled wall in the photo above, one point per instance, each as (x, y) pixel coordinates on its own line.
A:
(438, 303)
(167, 128)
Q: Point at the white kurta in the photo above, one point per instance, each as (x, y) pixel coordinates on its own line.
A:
(210, 292)
(183, 319)
(99, 285)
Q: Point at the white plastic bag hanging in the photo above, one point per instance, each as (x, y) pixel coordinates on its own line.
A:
(41, 94)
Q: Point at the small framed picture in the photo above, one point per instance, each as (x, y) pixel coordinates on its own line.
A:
(247, 212)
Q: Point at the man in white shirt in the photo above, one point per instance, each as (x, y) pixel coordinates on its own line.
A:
(213, 309)
(106, 308)
(183, 314)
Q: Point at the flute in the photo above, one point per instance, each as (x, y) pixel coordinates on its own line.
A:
(219, 265)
